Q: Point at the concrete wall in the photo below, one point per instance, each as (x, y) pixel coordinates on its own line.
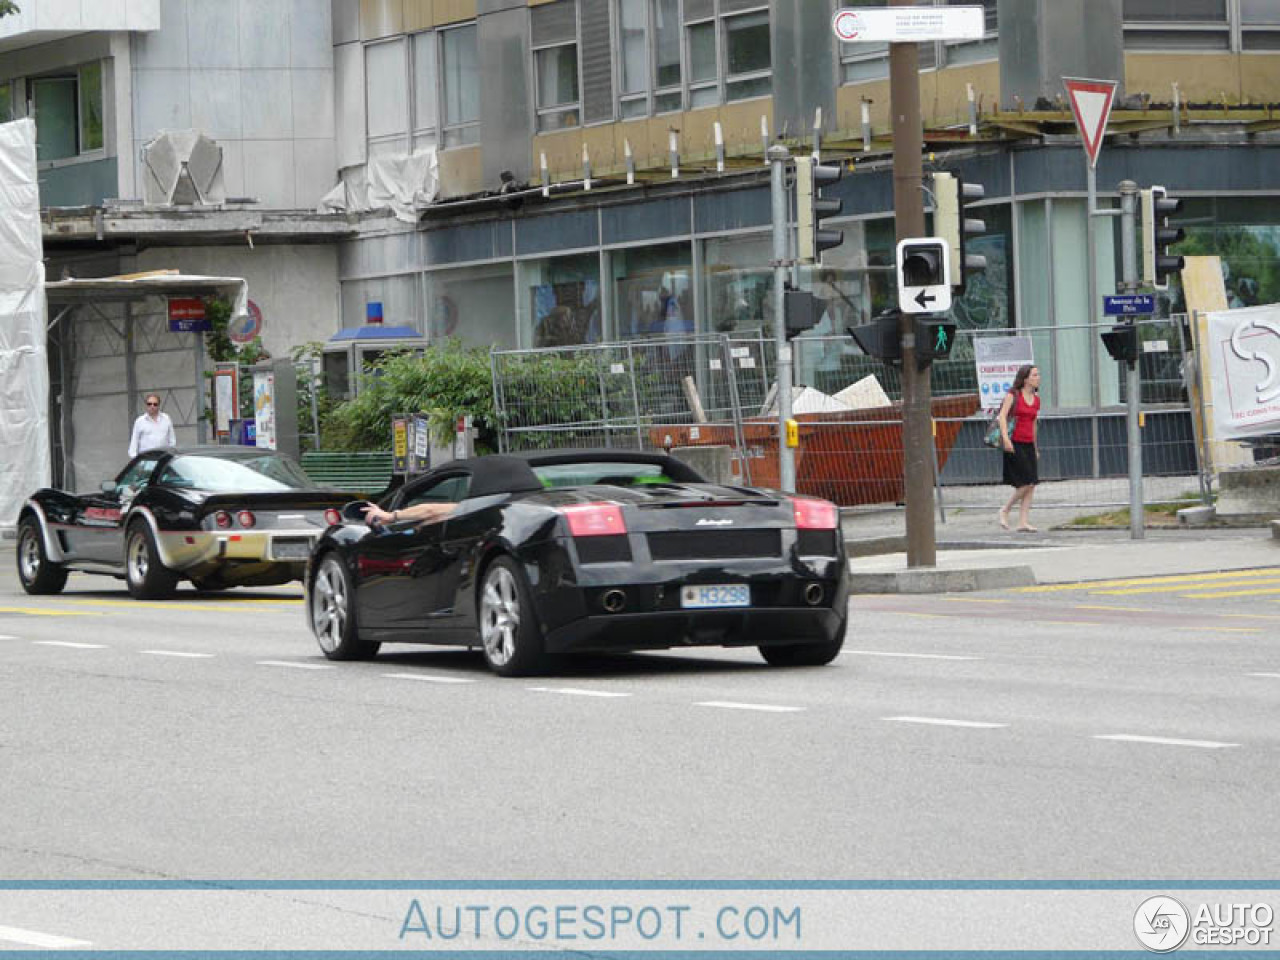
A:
(296, 287)
(255, 75)
(38, 21)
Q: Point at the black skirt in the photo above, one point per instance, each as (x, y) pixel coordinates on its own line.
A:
(1021, 467)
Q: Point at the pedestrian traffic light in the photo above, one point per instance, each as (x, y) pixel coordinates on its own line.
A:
(811, 207)
(934, 340)
(802, 310)
(951, 223)
(1157, 236)
(1122, 343)
(881, 338)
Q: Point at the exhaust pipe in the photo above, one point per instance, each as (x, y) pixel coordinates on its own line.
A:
(813, 594)
(613, 601)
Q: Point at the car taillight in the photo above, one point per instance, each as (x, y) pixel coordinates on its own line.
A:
(815, 514)
(222, 519)
(246, 518)
(594, 519)
(332, 517)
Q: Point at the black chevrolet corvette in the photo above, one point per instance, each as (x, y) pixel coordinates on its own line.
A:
(217, 516)
(600, 550)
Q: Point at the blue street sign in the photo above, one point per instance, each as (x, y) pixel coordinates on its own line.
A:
(1129, 305)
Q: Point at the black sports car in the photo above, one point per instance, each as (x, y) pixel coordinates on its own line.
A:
(217, 516)
(564, 551)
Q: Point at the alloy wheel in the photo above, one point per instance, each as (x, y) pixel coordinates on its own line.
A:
(500, 616)
(329, 607)
(29, 556)
(139, 558)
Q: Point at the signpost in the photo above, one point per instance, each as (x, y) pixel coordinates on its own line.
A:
(903, 28)
(186, 315)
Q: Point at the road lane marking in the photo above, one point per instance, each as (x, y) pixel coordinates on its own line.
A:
(428, 678)
(1274, 676)
(296, 665)
(5, 636)
(943, 722)
(34, 938)
(1219, 629)
(70, 645)
(1232, 593)
(178, 653)
(169, 605)
(911, 656)
(579, 692)
(974, 600)
(41, 612)
(1166, 741)
(1138, 581)
(761, 707)
(1182, 587)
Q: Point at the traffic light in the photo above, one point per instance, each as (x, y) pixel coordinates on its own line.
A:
(951, 196)
(811, 207)
(1157, 236)
(924, 275)
(934, 340)
(880, 338)
(1122, 342)
(802, 309)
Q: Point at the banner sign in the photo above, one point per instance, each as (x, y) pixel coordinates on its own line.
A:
(998, 360)
(1244, 369)
(400, 444)
(186, 315)
(264, 409)
(226, 397)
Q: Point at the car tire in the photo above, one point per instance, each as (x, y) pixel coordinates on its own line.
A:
(38, 574)
(510, 635)
(144, 572)
(332, 613)
(804, 654)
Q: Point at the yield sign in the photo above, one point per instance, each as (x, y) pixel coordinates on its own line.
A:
(1091, 104)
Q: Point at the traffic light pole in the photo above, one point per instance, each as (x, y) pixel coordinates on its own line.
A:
(1129, 282)
(778, 156)
(908, 207)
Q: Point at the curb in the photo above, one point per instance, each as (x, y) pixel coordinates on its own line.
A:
(933, 580)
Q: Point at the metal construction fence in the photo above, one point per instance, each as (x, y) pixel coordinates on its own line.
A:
(718, 389)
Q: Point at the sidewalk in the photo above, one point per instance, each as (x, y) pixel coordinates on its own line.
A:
(975, 554)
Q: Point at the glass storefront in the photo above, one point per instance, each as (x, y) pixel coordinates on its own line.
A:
(474, 304)
(558, 301)
(652, 290)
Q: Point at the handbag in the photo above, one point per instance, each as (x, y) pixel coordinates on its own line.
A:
(991, 433)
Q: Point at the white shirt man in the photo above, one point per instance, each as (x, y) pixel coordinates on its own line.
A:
(152, 430)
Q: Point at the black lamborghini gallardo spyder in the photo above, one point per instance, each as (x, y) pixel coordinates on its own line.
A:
(597, 550)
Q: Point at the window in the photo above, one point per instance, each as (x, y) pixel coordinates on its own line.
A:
(748, 58)
(975, 51)
(460, 81)
(68, 110)
(649, 70)
(1259, 26)
(1176, 25)
(425, 108)
(386, 97)
(554, 41)
(445, 490)
(6, 101)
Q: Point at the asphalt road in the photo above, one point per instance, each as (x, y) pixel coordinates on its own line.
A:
(1114, 731)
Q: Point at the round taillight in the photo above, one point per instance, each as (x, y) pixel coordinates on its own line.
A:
(222, 519)
(246, 518)
(332, 517)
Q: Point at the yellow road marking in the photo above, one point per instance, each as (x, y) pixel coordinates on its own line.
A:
(1221, 629)
(1233, 593)
(1177, 587)
(1134, 581)
(39, 612)
(175, 605)
(973, 600)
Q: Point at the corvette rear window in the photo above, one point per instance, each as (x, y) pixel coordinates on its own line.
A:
(247, 475)
(620, 474)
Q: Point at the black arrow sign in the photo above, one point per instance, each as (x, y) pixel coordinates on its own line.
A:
(923, 300)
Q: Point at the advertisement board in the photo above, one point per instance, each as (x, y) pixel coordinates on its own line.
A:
(1244, 369)
(998, 360)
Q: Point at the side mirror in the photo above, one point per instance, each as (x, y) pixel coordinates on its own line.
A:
(108, 487)
(354, 511)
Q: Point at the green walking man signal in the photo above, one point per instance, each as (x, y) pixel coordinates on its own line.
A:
(934, 340)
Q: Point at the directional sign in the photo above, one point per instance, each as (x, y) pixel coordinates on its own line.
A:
(908, 24)
(924, 275)
(1128, 306)
(1091, 104)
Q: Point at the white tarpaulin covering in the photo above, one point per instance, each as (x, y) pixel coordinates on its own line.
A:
(24, 365)
(1244, 364)
(405, 183)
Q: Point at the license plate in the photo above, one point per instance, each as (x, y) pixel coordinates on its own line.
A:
(293, 548)
(715, 595)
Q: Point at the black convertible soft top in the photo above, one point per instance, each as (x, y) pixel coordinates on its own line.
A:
(513, 472)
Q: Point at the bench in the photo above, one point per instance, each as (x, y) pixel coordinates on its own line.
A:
(366, 475)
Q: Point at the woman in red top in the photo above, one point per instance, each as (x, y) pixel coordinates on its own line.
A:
(1021, 451)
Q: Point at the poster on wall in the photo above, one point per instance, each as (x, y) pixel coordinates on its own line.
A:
(226, 397)
(998, 360)
(264, 409)
(1244, 369)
